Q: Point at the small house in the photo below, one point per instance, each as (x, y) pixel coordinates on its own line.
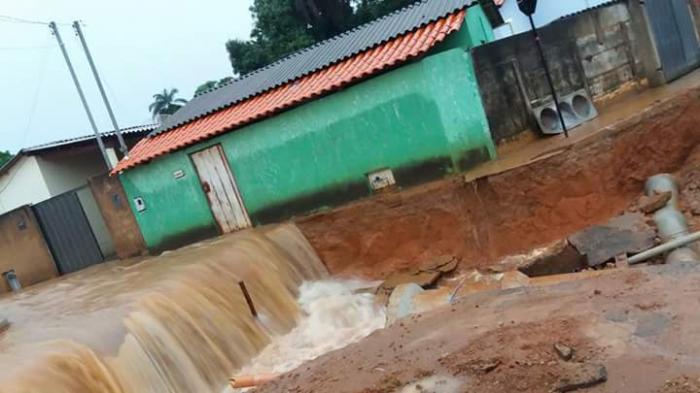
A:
(389, 104)
(45, 192)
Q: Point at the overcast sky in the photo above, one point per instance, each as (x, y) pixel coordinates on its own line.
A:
(140, 47)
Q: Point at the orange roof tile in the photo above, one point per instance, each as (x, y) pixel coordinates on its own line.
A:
(363, 65)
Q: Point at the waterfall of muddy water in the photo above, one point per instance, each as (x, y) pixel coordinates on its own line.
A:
(334, 317)
(178, 323)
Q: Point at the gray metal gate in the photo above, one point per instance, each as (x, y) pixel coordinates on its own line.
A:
(675, 36)
(68, 233)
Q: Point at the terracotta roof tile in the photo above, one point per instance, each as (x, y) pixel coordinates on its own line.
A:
(324, 81)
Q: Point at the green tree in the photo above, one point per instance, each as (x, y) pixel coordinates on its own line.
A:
(285, 26)
(208, 85)
(368, 10)
(5, 156)
(165, 103)
(224, 81)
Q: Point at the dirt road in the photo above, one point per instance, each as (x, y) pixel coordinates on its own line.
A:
(639, 326)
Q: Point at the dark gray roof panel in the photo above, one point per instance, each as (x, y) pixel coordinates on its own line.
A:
(314, 58)
(65, 142)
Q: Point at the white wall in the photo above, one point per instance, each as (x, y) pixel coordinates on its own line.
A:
(22, 184)
(65, 171)
(547, 11)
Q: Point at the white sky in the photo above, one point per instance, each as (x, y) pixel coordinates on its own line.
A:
(140, 47)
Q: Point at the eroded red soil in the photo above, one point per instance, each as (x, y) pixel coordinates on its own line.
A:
(514, 211)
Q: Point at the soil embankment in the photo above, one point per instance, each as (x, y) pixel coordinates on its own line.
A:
(514, 211)
(636, 328)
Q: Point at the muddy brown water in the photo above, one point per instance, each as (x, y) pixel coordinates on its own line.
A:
(171, 324)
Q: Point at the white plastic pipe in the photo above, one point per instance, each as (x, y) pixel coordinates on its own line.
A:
(670, 246)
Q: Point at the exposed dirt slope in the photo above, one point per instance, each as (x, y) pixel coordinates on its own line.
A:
(641, 325)
(514, 211)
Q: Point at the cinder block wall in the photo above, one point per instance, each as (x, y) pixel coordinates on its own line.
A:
(22, 248)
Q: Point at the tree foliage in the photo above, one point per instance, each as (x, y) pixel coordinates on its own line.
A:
(5, 156)
(165, 103)
(285, 26)
(208, 85)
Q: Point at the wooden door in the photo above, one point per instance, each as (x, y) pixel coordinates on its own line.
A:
(220, 187)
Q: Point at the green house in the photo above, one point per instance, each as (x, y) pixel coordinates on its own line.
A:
(389, 104)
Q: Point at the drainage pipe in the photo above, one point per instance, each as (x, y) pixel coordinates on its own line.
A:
(250, 381)
(670, 246)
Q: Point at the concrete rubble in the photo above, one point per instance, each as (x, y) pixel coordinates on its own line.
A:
(572, 315)
(626, 234)
(582, 376)
(564, 352)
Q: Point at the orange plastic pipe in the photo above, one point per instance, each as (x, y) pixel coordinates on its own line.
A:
(249, 381)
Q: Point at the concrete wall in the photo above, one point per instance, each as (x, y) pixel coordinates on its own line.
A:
(67, 170)
(97, 222)
(547, 11)
(601, 50)
(119, 219)
(22, 184)
(423, 120)
(23, 249)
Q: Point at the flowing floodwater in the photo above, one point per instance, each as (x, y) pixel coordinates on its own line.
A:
(335, 314)
(178, 323)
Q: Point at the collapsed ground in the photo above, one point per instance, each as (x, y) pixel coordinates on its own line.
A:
(629, 329)
(513, 212)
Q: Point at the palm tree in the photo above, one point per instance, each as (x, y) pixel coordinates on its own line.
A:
(165, 103)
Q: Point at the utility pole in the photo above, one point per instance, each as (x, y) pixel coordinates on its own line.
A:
(54, 30)
(538, 41)
(117, 130)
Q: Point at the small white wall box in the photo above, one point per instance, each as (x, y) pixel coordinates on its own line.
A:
(381, 179)
(140, 204)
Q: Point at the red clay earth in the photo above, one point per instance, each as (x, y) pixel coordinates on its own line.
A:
(514, 211)
(640, 324)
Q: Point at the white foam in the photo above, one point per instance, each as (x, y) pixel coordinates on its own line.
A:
(334, 317)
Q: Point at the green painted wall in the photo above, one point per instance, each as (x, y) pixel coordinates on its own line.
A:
(422, 120)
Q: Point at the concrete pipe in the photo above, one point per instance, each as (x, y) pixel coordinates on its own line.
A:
(661, 183)
(671, 223)
(683, 254)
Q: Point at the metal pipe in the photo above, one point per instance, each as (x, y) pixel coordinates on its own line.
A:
(12, 281)
(248, 299)
(250, 381)
(670, 246)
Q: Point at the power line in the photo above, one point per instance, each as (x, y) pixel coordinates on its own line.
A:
(35, 99)
(14, 19)
(21, 48)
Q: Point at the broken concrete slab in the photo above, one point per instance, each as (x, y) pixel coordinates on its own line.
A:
(402, 302)
(581, 376)
(432, 299)
(514, 279)
(423, 279)
(444, 264)
(559, 258)
(564, 352)
(626, 234)
(650, 204)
